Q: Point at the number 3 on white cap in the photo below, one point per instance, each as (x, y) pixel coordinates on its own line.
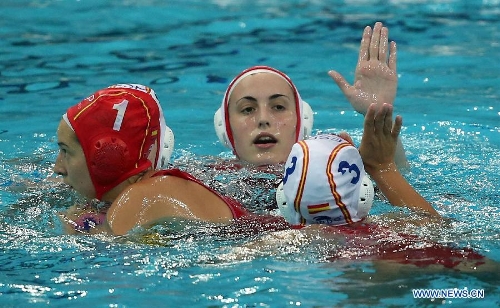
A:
(121, 107)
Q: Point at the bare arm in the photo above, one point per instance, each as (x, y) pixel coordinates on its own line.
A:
(166, 199)
(375, 78)
(377, 149)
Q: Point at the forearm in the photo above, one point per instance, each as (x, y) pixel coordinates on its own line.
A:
(397, 190)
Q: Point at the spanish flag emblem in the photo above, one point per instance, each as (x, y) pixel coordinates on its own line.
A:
(316, 208)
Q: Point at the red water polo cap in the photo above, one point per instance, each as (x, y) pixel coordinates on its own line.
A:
(117, 128)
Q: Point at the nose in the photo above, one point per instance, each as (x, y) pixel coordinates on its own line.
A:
(264, 118)
(58, 166)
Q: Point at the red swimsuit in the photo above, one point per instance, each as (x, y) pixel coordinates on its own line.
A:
(236, 208)
(362, 240)
(245, 222)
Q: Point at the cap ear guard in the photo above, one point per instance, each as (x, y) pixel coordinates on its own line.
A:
(168, 147)
(307, 119)
(109, 159)
(220, 129)
(287, 211)
(366, 195)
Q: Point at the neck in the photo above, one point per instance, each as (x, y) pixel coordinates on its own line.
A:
(114, 193)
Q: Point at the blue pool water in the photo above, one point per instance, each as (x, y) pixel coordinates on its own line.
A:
(54, 53)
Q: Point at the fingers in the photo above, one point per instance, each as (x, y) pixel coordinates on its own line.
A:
(379, 119)
(396, 128)
(387, 118)
(346, 136)
(383, 120)
(383, 44)
(365, 44)
(375, 46)
(369, 118)
(393, 56)
(375, 41)
(340, 81)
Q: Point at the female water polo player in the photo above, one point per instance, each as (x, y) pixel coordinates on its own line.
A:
(262, 113)
(326, 195)
(109, 151)
(325, 180)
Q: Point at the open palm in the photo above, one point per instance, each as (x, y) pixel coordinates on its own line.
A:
(375, 79)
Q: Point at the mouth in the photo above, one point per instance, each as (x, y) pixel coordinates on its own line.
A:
(265, 139)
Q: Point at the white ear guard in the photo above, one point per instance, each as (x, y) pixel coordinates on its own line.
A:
(366, 195)
(307, 119)
(220, 128)
(286, 210)
(168, 147)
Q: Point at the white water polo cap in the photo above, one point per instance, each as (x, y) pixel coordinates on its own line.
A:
(324, 182)
(221, 118)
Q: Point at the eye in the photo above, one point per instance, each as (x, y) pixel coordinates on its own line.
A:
(247, 110)
(281, 103)
(63, 152)
(279, 107)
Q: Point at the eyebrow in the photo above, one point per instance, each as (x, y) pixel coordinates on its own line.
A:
(251, 98)
(60, 144)
(277, 96)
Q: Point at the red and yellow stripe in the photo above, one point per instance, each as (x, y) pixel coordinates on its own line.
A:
(333, 186)
(303, 177)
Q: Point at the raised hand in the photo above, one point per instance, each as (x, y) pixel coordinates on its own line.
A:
(378, 147)
(380, 138)
(375, 76)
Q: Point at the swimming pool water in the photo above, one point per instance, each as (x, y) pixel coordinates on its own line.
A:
(54, 53)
